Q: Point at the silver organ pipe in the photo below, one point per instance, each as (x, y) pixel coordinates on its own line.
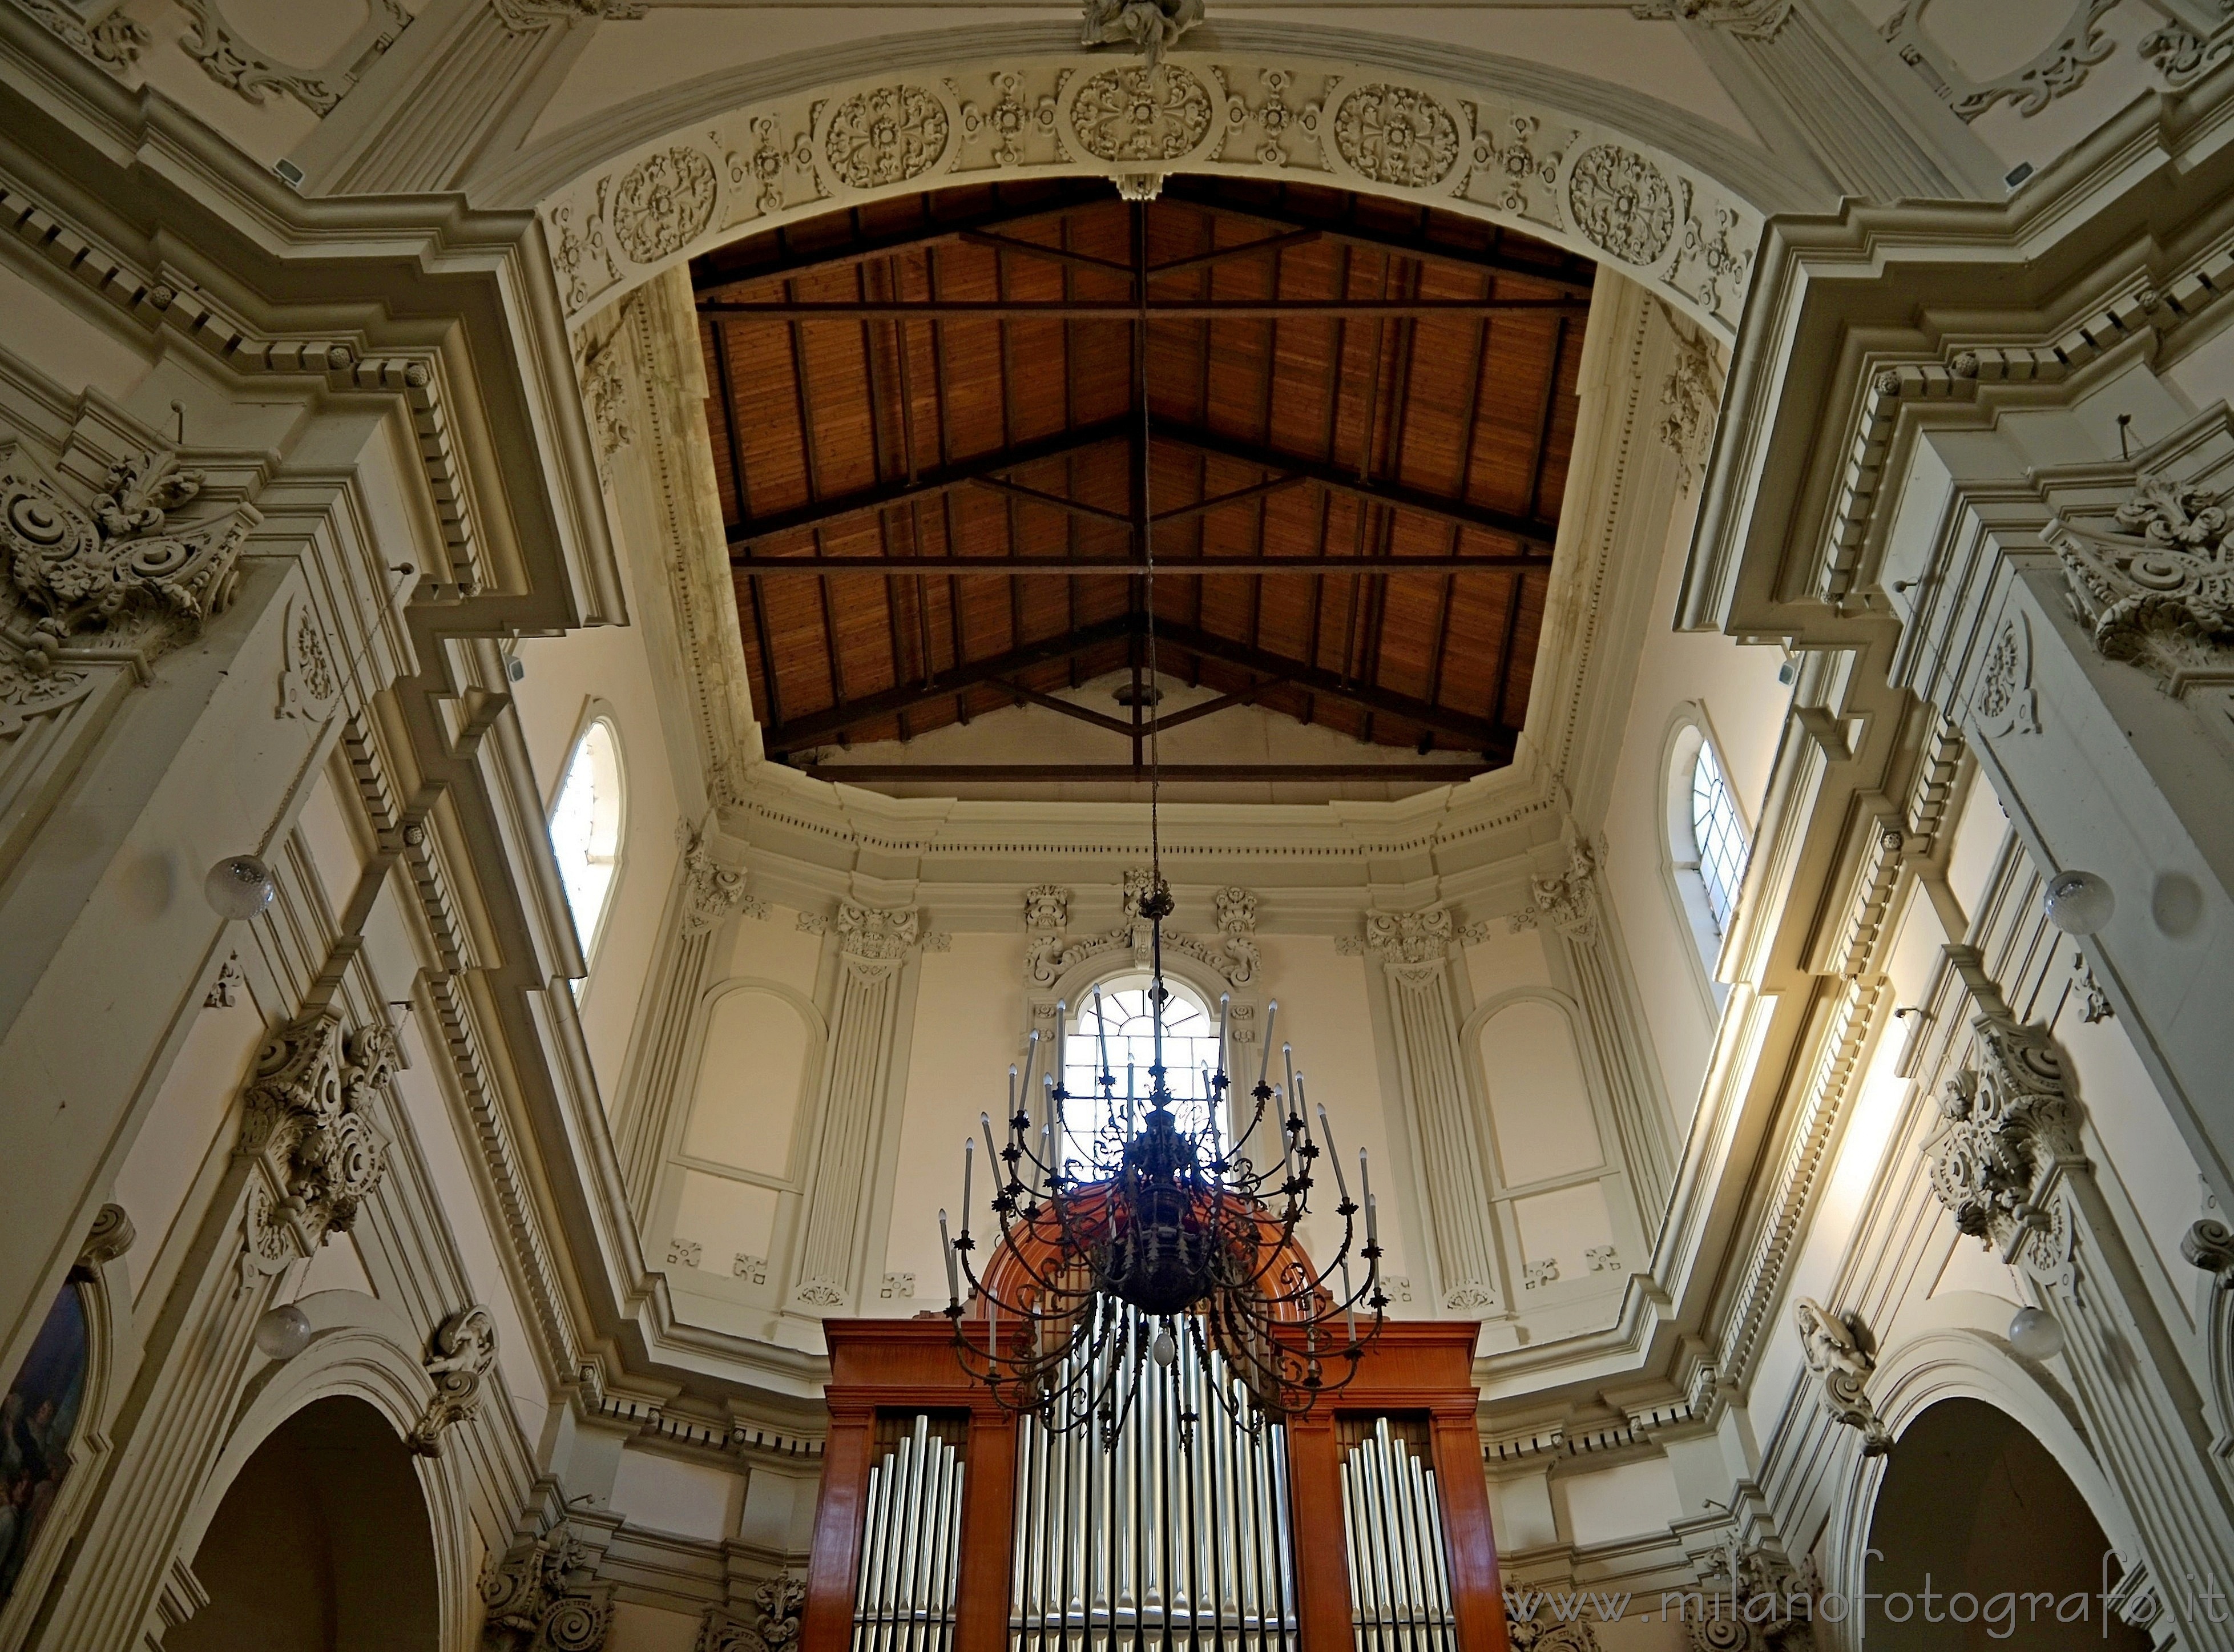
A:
(1399, 1586)
(910, 1547)
(1178, 1535)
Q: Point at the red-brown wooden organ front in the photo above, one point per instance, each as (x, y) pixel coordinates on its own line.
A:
(948, 1525)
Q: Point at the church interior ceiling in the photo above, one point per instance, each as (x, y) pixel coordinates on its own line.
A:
(1359, 418)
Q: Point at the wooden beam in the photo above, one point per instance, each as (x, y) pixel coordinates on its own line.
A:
(1399, 773)
(814, 727)
(708, 274)
(938, 479)
(1528, 530)
(1118, 310)
(1181, 567)
(1480, 731)
(1190, 192)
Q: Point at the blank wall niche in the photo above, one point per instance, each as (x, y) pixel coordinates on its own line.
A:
(1551, 1201)
(739, 1144)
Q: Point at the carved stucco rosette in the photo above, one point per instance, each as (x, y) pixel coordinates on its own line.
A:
(1141, 114)
(662, 204)
(885, 135)
(1621, 202)
(1395, 135)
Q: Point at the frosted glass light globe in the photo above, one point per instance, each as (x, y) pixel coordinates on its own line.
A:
(2034, 1333)
(239, 886)
(283, 1333)
(1163, 1350)
(2079, 903)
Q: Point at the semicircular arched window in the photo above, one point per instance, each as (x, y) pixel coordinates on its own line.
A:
(1125, 1026)
(585, 828)
(1717, 837)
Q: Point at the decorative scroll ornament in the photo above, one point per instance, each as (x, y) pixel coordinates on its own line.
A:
(1394, 135)
(711, 891)
(112, 1235)
(662, 204)
(1687, 401)
(2161, 594)
(459, 1355)
(2210, 1246)
(2006, 704)
(533, 16)
(1534, 1625)
(309, 685)
(874, 934)
(2183, 57)
(212, 40)
(1233, 953)
(116, 567)
(1756, 1601)
(1567, 903)
(885, 136)
(1622, 203)
(604, 393)
(543, 1597)
(2002, 1127)
(1837, 1347)
(1410, 938)
(1151, 27)
(114, 41)
(1747, 19)
(307, 1126)
(781, 1599)
(2058, 67)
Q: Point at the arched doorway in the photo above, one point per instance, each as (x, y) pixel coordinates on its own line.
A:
(1975, 1511)
(322, 1545)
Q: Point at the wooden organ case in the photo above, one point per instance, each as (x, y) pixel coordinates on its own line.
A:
(948, 1525)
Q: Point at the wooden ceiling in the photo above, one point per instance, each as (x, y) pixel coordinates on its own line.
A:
(1358, 416)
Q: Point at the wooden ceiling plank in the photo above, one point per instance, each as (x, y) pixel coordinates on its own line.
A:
(722, 378)
(1318, 680)
(941, 478)
(814, 727)
(1350, 233)
(1466, 487)
(1118, 310)
(705, 277)
(1396, 774)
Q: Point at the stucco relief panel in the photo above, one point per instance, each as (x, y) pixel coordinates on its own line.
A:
(1586, 188)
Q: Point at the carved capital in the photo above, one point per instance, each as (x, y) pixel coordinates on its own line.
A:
(543, 1596)
(2159, 593)
(1837, 1350)
(2003, 1126)
(307, 1126)
(773, 1629)
(114, 571)
(711, 891)
(459, 1356)
(1567, 903)
(873, 933)
(1398, 938)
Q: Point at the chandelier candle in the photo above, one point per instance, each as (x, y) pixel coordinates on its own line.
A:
(1154, 1226)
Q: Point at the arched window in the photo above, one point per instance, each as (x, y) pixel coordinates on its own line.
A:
(1705, 845)
(585, 828)
(1125, 1026)
(1718, 842)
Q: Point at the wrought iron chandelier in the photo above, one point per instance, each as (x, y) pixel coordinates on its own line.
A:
(1139, 1231)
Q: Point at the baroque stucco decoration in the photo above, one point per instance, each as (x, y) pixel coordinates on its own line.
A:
(308, 1131)
(214, 40)
(1577, 183)
(115, 42)
(1150, 27)
(1762, 20)
(1837, 1348)
(711, 891)
(460, 1354)
(1756, 1601)
(1689, 397)
(542, 1595)
(2003, 1123)
(774, 1628)
(109, 581)
(1534, 1625)
(2160, 594)
(1567, 903)
(2059, 67)
(1232, 953)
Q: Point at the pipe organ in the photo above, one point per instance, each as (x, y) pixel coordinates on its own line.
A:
(948, 1525)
